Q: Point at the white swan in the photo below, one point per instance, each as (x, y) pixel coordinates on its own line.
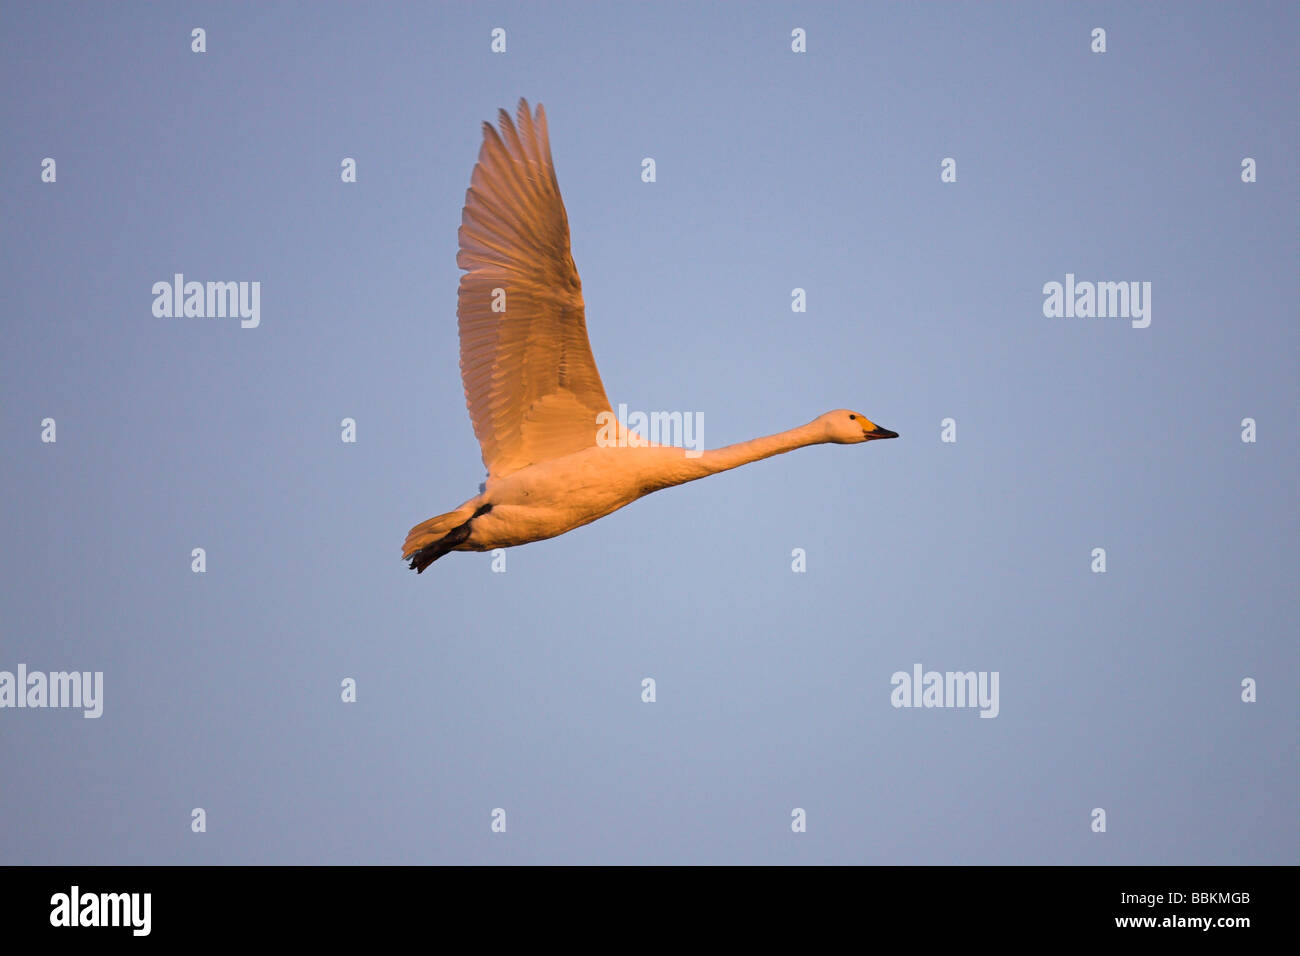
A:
(531, 383)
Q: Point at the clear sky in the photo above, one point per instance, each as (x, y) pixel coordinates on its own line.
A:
(522, 690)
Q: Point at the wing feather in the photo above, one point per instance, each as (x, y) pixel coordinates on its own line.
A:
(531, 383)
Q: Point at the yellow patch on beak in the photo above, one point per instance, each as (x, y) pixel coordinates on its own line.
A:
(872, 430)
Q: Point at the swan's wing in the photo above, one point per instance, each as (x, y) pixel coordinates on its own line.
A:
(531, 383)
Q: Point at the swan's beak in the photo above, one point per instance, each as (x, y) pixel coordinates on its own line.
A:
(879, 432)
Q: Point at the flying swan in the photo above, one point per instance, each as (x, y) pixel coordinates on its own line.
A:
(531, 385)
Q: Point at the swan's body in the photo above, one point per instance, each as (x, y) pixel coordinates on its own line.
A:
(534, 394)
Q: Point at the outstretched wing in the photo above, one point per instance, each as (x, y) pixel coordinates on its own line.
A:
(531, 383)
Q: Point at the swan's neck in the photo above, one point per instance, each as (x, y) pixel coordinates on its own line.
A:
(733, 456)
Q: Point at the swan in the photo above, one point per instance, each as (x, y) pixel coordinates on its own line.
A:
(532, 389)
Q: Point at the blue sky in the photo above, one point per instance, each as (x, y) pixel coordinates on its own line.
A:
(775, 170)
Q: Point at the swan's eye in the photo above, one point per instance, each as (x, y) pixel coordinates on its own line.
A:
(852, 417)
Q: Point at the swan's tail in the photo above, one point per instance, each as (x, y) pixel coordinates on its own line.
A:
(430, 540)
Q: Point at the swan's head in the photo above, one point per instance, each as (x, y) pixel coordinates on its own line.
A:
(844, 427)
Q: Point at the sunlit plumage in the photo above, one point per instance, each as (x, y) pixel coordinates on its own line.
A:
(531, 385)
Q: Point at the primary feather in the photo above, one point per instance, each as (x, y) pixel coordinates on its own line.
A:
(530, 379)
